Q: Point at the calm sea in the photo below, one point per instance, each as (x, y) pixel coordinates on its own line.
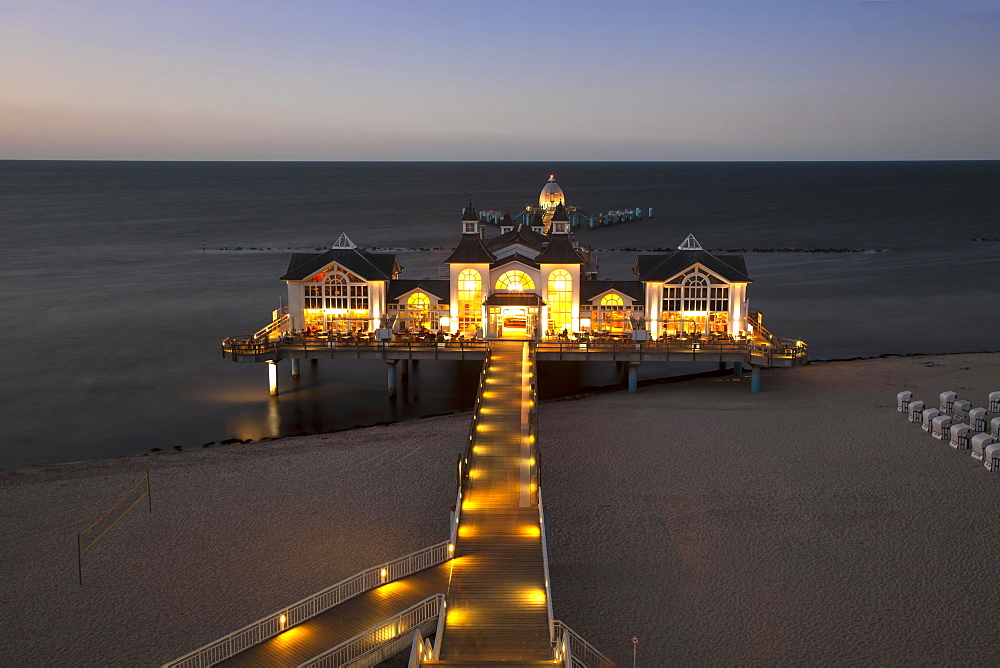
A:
(115, 313)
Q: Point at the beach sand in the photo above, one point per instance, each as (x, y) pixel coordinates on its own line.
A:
(809, 524)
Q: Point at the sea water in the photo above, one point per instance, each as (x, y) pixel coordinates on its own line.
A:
(116, 290)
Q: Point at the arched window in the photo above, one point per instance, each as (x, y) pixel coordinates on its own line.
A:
(611, 315)
(515, 280)
(470, 300)
(560, 300)
(695, 292)
(418, 308)
(337, 301)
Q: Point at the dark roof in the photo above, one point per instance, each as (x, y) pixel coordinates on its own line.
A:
(439, 288)
(537, 218)
(733, 268)
(560, 251)
(560, 213)
(516, 257)
(470, 212)
(634, 289)
(470, 250)
(369, 266)
(514, 299)
(506, 220)
(522, 234)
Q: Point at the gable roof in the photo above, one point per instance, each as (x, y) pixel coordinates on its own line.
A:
(516, 257)
(732, 268)
(634, 289)
(439, 288)
(560, 251)
(470, 250)
(522, 234)
(369, 266)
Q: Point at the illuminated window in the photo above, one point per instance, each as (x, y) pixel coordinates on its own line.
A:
(611, 316)
(515, 280)
(337, 301)
(418, 311)
(695, 292)
(470, 300)
(560, 300)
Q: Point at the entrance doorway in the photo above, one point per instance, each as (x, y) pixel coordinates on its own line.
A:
(513, 322)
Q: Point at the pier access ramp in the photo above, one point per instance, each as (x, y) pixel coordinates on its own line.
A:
(497, 603)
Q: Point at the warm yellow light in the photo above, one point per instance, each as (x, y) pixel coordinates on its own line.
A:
(282, 620)
(531, 531)
(383, 574)
(456, 616)
(481, 427)
(466, 531)
(532, 487)
(535, 595)
(451, 548)
(469, 505)
(584, 323)
(531, 461)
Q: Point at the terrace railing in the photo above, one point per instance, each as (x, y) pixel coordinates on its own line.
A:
(278, 622)
(382, 640)
(273, 329)
(581, 652)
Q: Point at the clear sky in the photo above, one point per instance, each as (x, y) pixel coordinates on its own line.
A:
(504, 80)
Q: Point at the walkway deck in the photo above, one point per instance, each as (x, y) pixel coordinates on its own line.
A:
(343, 622)
(497, 607)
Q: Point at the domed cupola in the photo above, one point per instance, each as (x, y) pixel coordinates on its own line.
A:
(551, 195)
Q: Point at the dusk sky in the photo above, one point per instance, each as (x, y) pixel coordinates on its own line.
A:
(430, 80)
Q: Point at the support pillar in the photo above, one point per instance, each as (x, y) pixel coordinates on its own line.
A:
(755, 379)
(392, 377)
(296, 368)
(633, 378)
(272, 378)
(314, 362)
(404, 370)
(738, 369)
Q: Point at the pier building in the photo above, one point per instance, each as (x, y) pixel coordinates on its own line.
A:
(523, 281)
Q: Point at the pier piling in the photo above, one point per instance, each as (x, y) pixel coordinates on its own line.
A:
(633, 378)
(296, 368)
(272, 378)
(755, 379)
(391, 376)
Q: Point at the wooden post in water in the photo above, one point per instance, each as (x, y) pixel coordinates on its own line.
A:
(296, 367)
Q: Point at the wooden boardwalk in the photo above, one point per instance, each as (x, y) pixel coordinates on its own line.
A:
(496, 606)
(343, 622)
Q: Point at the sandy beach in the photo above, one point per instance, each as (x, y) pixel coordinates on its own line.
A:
(807, 524)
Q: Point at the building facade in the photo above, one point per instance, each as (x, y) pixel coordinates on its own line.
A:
(529, 280)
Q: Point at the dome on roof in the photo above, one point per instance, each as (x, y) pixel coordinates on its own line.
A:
(551, 195)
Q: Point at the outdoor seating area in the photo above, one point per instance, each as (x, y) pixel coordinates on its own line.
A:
(954, 420)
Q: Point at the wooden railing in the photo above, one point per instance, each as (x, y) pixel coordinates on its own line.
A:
(581, 652)
(278, 622)
(247, 345)
(382, 640)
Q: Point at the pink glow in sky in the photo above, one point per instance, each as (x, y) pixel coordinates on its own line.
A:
(373, 80)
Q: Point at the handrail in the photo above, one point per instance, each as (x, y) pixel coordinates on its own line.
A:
(395, 628)
(275, 623)
(264, 333)
(583, 654)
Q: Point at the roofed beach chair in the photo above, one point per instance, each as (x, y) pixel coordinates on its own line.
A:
(979, 443)
(916, 411)
(961, 409)
(977, 419)
(903, 402)
(995, 428)
(994, 402)
(961, 434)
(941, 427)
(991, 457)
(947, 402)
(925, 419)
